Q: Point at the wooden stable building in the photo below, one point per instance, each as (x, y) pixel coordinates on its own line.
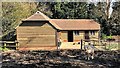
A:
(39, 32)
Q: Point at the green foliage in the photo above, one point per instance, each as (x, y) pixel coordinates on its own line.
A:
(44, 7)
(104, 36)
(4, 49)
(69, 10)
(109, 25)
(115, 19)
(101, 17)
(109, 37)
(13, 13)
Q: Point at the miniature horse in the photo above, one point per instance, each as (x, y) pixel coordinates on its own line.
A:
(89, 49)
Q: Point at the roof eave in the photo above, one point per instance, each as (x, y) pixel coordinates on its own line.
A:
(78, 29)
(34, 20)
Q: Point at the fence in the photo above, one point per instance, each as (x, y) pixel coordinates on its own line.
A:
(106, 45)
(86, 42)
(9, 44)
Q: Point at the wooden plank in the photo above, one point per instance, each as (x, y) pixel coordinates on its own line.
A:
(36, 31)
(63, 35)
(10, 46)
(34, 27)
(36, 45)
(34, 36)
(40, 28)
(37, 40)
(39, 48)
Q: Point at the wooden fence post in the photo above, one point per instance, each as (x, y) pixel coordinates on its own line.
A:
(81, 43)
(4, 46)
(16, 44)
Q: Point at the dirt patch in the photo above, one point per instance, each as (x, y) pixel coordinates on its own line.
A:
(58, 59)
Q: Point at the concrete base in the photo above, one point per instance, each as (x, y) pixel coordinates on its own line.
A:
(70, 45)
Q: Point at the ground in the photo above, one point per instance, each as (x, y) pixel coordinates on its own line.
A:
(60, 59)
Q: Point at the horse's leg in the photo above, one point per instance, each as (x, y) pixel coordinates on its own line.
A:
(92, 55)
(88, 56)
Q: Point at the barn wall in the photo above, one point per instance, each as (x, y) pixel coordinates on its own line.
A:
(94, 37)
(30, 35)
(63, 35)
(78, 37)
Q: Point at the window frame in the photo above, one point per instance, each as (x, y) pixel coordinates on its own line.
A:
(76, 32)
(92, 32)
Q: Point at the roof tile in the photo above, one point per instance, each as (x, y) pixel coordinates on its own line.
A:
(75, 24)
(66, 24)
(37, 16)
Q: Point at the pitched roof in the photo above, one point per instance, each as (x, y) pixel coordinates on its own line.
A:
(75, 24)
(66, 24)
(37, 16)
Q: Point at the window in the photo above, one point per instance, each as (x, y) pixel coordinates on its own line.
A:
(76, 32)
(92, 32)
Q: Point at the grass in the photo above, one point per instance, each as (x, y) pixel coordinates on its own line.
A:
(112, 46)
(4, 49)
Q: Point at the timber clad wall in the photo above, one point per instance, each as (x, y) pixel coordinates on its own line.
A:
(36, 36)
(94, 37)
(63, 36)
(78, 37)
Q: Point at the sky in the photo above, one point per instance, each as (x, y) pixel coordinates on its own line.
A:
(111, 8)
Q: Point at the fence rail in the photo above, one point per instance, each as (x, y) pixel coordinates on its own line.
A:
(9, 44)
(108, 45)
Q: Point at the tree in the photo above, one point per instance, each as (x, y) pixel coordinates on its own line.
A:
(13, 13)
(115, 19)
(44, 7)
(69, 10)
(101, 14)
